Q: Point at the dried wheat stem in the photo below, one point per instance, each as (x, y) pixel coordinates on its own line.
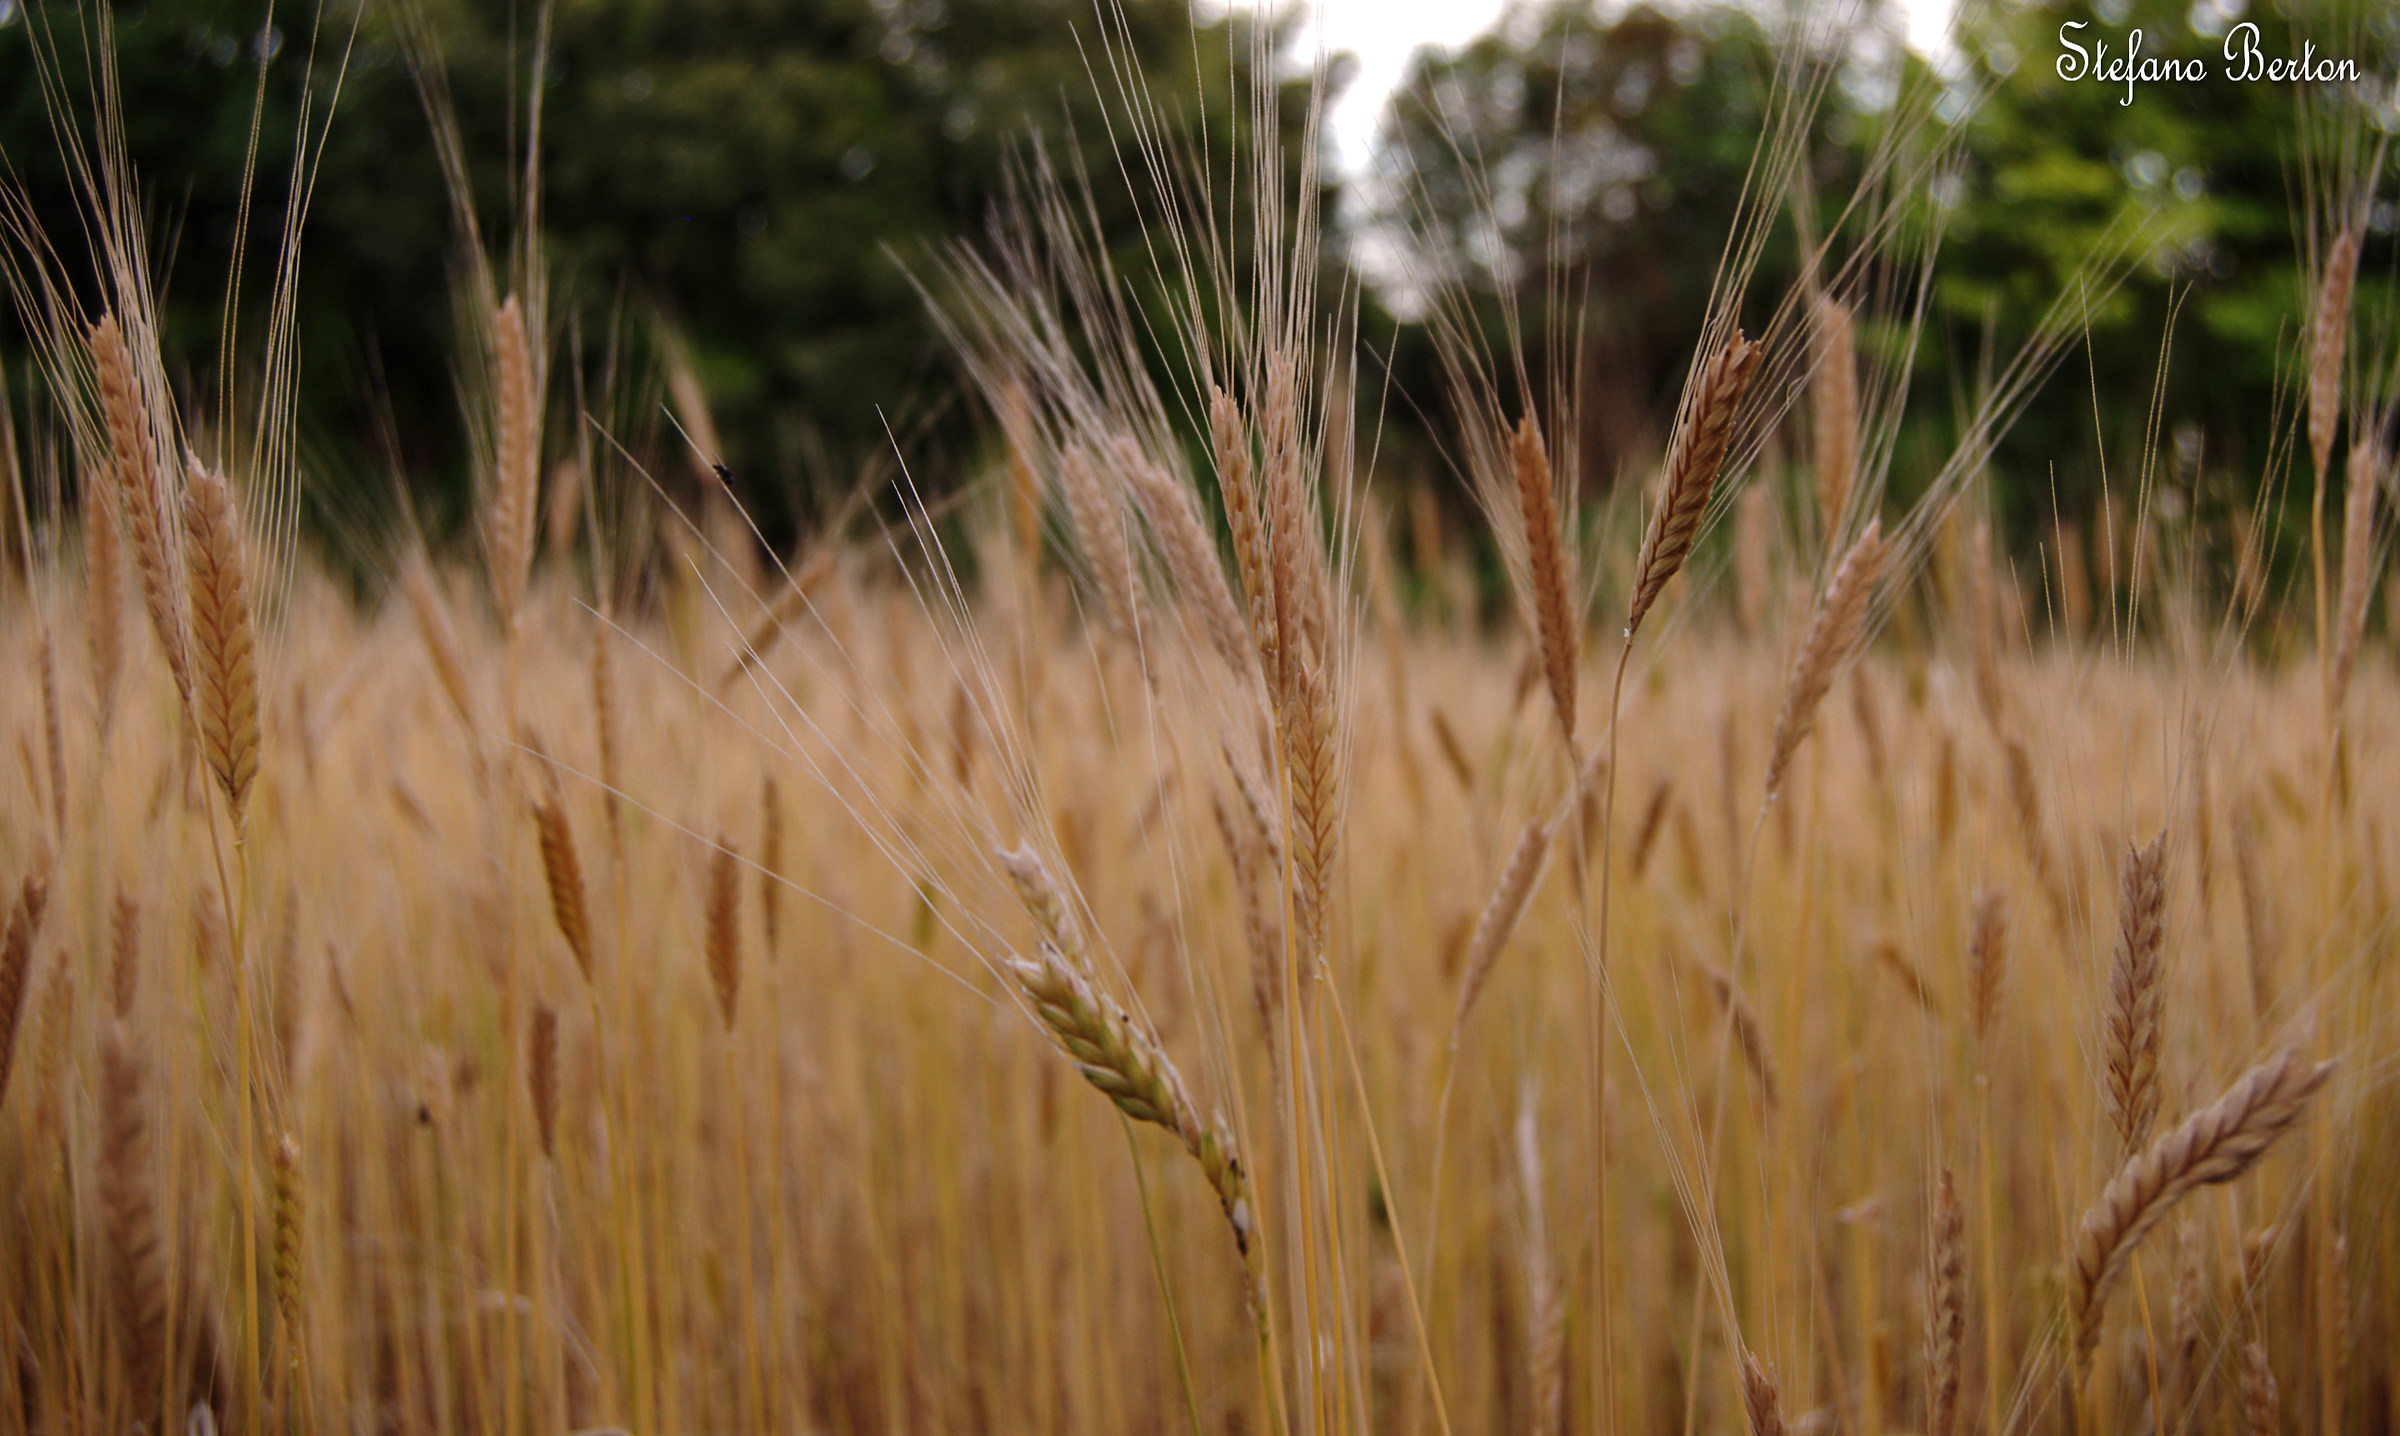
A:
(1833, 401)
(725, 927)
(2328, 338)
(224, 645)
(1552, 571)
(541, 1076)
(1945, 1310)
(2216, 1144)
(1124, 1060)
(1831, 637)
(141, 494)
(2137, 997)
(563, 874)
(1691, 474)
(16, 961)
(104, 590)
(2358, 565)
(1190, 553)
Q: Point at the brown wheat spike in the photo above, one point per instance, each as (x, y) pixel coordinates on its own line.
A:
(1890, 958)
(1749, 1035)
(1761, 1398)
(1254, 874)
(1501, 913)
(1831, 637)
(1691, 473)
(787, 608)
(1645, 833)
(1945, 789)
(2025, 801)
(1867, 710)
(1123, 1059)
(1546, 1310)
(1237, 485)
(288, 1214)
(2329, 337)
(2184, 1338)
(1100, 533)
(2358, 566)
(564, 876)
(224, 647)
(1553, 572)
(2258, 924)
(2216, 1144)
(725, 927)
(519, 459)
(541, 1076)
(141, 494)
(604, 732)
(129, 1220)
(1316, 836)
(1190, 553)
(2137, 996)
(104, 594)
(1945, 1310)
(770, 862)
(16, 961)
(125, 952)
(1752, 544)
(1987, 961)
(1833, 403)
(2259, 1401)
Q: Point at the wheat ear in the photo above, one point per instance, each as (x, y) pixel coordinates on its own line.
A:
(1553, 572)
(563, 874)
(1237, 487)
(725, 928)
(124, 947)
(141, 494)
(2358, 565)
(1762, 1399)
(1831, 636)
(2215, 1144)
(770, 863)
(287, 1253)
(1501, 913)
(16, 961)
(1100, 533)
(1124, 1060)
(129, 1220)
(2328, 338)
(2259, 1401)
(1833, 403)
(54, 737)
(1190, 553)
(1546, 1308)
(519, 460)
(1945, 1310)
(1046, 903)
(1691, 474)
(224, 645)
(2137, 997)
(441, 640)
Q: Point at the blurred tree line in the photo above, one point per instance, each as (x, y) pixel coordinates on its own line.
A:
(761, 172)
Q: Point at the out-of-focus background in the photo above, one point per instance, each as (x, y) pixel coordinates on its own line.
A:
(762, 179)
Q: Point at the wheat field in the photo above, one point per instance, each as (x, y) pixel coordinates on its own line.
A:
(1138, 947)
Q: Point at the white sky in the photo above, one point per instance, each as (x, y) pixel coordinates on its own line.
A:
(1383, 33)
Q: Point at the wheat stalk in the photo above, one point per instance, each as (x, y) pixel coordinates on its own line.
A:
(2137, 997)
(1831, 637)
(224, 645)
(1691, 473)
(141, 494)
(2214, 1145)
(2358, 566)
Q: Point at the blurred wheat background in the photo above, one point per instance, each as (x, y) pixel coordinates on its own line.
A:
(1167, 919)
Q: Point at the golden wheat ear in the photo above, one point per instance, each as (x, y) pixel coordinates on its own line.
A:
(141, 495)
(224, 644)
(1691, 474)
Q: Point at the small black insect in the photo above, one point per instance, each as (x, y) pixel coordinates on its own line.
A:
(724, 475)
